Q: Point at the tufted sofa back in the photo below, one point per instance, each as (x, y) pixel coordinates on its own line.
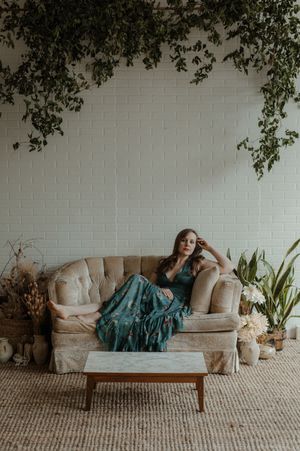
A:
(95, 279)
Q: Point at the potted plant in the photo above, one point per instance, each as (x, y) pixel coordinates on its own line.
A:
(281, 295)
(35, 302)
(252, 326)
(270, 292)
(247, 271)
(23, 289)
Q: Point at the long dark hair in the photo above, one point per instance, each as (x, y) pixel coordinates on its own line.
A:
(169, 262)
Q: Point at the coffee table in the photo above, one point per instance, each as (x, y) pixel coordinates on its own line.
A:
(159, 367)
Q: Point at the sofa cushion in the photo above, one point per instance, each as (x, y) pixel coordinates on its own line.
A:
(212, 322)
(202, 289)
(197, 322)
(226, 295)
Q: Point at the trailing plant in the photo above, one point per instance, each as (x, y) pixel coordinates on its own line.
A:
(65, 41)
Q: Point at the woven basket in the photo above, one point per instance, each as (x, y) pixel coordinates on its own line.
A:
(275, 338)
(16, 330)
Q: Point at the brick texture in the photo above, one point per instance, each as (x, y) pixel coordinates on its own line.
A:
(148, 155)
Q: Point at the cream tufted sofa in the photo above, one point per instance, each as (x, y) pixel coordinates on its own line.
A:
(94, 280)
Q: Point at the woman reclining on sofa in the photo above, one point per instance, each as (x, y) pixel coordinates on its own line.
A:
(143, 314)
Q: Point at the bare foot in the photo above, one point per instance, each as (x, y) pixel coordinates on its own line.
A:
(89, 318)
(59, 310)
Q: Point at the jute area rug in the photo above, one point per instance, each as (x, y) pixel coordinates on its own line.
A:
(255, 409)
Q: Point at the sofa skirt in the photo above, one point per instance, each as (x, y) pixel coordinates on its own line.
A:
(70, 351)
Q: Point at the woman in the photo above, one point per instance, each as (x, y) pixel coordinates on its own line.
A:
(143, 314)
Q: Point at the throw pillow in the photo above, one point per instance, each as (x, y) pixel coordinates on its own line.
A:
(202, 289)
(222, 296)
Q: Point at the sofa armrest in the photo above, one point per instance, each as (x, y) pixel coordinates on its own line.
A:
(226, 294)
(212, 322)
(71, 284)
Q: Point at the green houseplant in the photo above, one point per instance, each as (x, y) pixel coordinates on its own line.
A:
(280, 292)
(277, 287)
(247, 271)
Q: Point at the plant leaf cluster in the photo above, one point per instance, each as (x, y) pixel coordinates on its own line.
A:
(65, 40)
(280, 291)
(277, 286)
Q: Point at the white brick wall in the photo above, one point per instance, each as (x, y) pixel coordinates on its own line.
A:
(149, 154)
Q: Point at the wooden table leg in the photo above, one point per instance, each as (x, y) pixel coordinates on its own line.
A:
(200, 390)
(90, 385)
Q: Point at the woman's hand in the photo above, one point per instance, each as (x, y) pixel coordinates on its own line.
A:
(203, 243)
(224, 264)
(168, 293)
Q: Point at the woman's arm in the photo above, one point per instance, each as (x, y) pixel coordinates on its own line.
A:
(225, 265)
(168, 293)
(153, 278)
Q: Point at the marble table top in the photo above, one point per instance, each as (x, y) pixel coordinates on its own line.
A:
(145, 362)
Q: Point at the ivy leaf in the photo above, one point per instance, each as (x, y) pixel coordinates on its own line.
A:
(62, 37)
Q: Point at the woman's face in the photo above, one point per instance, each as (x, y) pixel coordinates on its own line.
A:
(187, 244)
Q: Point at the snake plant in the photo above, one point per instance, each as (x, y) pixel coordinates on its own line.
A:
(279, 289)
(247, 271)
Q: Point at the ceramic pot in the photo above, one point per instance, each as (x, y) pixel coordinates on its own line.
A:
(20, 348)
(40, 349)
(279, 337)
(28, 351)
(275, 338)
(250, 352)
(6, 350)
(266, 352)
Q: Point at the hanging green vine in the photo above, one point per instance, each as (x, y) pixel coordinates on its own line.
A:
(60, 36)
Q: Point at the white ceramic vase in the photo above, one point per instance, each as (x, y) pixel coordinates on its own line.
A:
(250, 352)
(6, 350)
(266, 352)
(40, 349)
(28, 351)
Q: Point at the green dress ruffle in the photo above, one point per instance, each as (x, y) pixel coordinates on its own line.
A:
(139, 317)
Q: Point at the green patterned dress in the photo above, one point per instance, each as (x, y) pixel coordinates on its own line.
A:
(139, 317)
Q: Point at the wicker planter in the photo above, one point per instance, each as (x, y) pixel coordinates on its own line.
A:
(244, 308)
(275, 338)
(16, 330)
